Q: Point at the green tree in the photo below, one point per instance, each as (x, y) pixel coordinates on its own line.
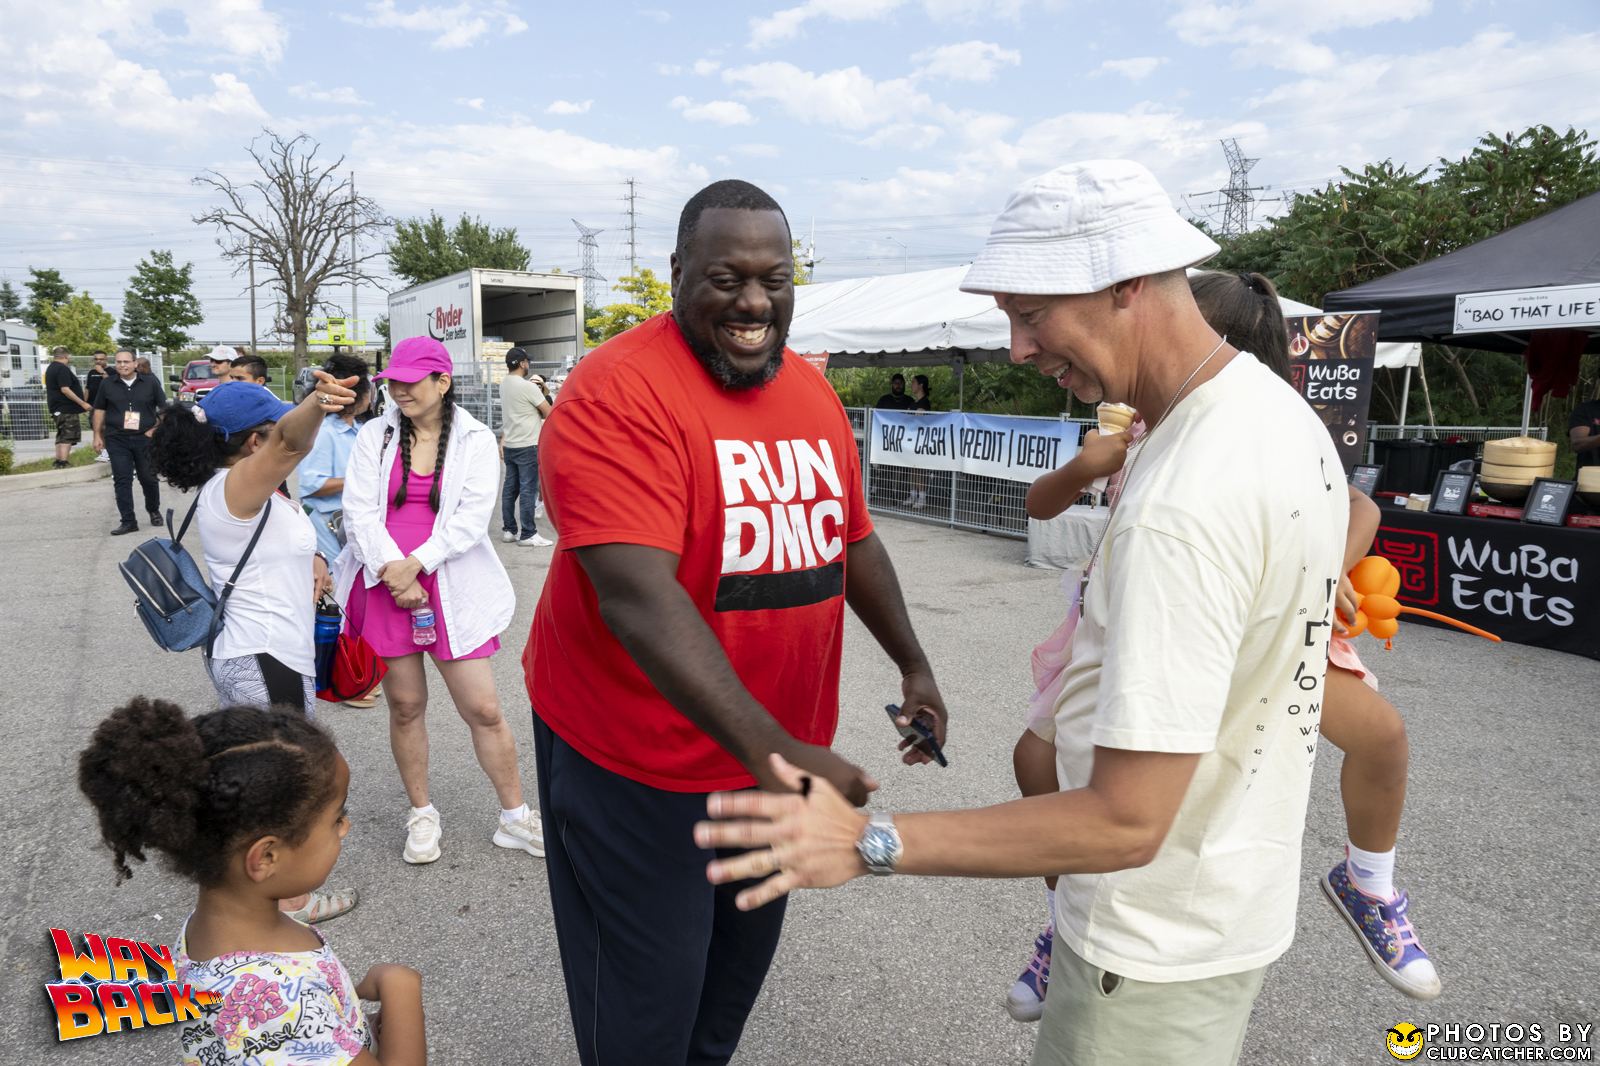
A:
(651, 297)
(381, 326)
(10, 302)
(425, 248)
(80, 325)
(159, 304)
(1383, 218)
(46, 290)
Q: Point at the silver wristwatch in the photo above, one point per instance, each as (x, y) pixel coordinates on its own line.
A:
(879, 845)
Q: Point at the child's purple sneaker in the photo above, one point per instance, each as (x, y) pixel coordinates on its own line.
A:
(1386, 933)
(1025, 1001)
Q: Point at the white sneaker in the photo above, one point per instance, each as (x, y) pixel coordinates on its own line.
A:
(534, 541)
(103, 457)
(422, 838)
(526, 833)
(507, 536)
(538, 509)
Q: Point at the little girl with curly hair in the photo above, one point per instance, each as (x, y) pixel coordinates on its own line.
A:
(249, 805)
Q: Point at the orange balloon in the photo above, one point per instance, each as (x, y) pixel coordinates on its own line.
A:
(1380, 608)
(1358, 627)
(1384, 628)
(1374, 575)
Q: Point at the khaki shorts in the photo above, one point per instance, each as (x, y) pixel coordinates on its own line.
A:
(69, 429)
(1095, 1018)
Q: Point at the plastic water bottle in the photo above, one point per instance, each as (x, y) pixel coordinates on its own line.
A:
(423, 631)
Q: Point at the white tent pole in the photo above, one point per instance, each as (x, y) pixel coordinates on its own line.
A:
(1405, 400)
(1527, 403)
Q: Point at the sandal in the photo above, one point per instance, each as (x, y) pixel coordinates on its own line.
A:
(325, 904)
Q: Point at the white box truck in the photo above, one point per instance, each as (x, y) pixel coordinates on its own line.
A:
(480, 314)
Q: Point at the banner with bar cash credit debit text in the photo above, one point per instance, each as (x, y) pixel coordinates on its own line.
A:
(1016, 449)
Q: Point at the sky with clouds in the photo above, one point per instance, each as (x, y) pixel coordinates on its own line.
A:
(891, 130)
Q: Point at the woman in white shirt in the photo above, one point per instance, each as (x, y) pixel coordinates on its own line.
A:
(236, 446)
(419, 574)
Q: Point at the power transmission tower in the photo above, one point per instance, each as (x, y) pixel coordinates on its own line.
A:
(593, 280)
(1238, 199)
(633, 230)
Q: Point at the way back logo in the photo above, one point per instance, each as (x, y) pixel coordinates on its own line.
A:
(783, 537)
(117, 984)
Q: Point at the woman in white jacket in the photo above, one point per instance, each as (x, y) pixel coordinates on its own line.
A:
(419, 492)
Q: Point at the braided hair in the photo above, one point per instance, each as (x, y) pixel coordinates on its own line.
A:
(408, 433)
(198, 789)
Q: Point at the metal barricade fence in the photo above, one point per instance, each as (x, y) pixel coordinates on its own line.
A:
(1465, 434)
(948, 498)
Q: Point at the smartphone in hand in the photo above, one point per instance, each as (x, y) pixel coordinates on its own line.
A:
(919, 733)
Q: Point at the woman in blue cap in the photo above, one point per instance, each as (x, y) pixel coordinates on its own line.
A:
(236, 447)
(419, 575)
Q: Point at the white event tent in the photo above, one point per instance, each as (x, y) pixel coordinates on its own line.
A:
(924, 319)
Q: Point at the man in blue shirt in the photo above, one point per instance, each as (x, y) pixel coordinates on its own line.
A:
(322, 471)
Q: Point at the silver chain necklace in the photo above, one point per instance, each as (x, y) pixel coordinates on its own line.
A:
(1133, 461)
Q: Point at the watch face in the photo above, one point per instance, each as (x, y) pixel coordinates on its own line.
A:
(880, 848)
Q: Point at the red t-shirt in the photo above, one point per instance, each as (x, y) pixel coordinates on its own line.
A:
(757, 492)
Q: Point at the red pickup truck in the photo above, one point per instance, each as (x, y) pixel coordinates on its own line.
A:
(196, 380)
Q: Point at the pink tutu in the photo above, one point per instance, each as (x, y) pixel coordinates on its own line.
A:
(1342, 653)
(1049, 673)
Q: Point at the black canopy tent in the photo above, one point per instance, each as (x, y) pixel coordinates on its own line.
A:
(1559, 248)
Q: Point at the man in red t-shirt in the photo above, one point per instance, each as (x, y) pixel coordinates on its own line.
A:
(706, 496)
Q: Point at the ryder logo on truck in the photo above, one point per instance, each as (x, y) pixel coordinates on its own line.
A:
(445, 324)
(784, 524)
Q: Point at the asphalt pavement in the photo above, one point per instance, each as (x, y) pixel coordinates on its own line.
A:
(1499, 848)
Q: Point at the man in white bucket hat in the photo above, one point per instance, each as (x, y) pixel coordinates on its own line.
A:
(1187, 723)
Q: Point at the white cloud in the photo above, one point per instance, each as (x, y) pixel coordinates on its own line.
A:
(721, 112)
(669, 70)
(456, 26)
(1280, 33)
(1137, 68)
(475, 103)
(968, 61)
(703, 67)
(786, 24)
(344, 94)
(569, 107)
(654, 14)
(845, 98)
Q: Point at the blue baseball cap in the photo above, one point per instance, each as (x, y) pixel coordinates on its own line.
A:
(235, 406)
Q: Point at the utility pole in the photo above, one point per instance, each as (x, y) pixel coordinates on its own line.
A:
(252, 297)
(633, 231)
(355, 284)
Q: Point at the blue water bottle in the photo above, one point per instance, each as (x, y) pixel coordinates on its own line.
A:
(423, 632)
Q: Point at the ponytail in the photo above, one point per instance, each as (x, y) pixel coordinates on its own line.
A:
(197, 789)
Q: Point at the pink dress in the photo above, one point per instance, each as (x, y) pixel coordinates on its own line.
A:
(372, 612)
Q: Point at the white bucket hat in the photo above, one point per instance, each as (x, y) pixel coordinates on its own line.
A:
(1083, 228)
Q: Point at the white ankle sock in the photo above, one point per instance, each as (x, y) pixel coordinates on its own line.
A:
(514, 814)
(1372, 872)
(429, 809)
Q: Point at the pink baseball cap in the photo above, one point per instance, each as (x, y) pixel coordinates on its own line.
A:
(415, 358)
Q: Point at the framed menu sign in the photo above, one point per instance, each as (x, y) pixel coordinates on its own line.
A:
(1365, 478)
(1549, 501)
(1451, 492)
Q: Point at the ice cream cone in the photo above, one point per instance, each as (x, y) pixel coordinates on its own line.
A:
(1115, 418)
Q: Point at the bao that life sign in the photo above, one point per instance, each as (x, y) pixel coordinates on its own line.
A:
(1553, 307)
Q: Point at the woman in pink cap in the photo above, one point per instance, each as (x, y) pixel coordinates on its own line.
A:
(419, 576)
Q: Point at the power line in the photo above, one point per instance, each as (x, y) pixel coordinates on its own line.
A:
(592, 278)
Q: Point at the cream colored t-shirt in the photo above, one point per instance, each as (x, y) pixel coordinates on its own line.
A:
(520, 420)
(1205, 629)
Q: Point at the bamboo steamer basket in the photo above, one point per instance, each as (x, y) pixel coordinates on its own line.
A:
(1521, 451)
(1514, 474)
(1589, 485)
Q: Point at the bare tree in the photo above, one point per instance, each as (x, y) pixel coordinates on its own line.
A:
(298, 221)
